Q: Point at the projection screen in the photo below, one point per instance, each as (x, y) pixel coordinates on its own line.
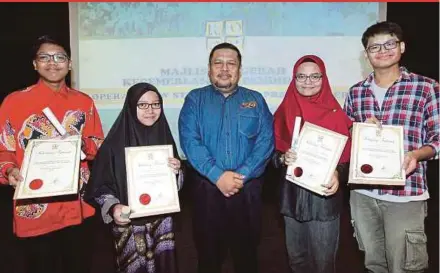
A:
(115, 45)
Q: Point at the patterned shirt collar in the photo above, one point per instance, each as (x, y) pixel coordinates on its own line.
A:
(404, 76)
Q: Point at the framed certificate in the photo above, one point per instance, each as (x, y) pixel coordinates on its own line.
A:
(318, 150)
(50, 168)
(377, 155)
(151, 184)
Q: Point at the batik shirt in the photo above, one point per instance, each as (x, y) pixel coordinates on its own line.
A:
(22, 119)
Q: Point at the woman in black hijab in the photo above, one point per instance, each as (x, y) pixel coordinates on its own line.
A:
(143, 244)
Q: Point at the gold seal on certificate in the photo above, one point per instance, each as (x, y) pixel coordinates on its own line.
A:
(318, 150)
(377, 155)
(151, 184)
(50, 168)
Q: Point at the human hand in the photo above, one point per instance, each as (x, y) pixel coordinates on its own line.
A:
(290, 157)
(174, 164)
(120, 215)
(14, 177)
(333, 186)
(230, 183)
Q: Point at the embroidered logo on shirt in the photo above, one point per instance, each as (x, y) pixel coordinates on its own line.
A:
(250, 104)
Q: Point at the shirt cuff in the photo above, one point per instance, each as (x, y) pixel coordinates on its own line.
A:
(244, 170)
(214, 174)
(276, 159)
(109, 201)
(436, 151)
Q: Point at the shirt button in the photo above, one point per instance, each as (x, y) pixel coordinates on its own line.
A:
(227, 134)
(228, 152)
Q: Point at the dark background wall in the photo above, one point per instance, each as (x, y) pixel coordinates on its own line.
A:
(22, 23)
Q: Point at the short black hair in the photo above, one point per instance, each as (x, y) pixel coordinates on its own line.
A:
(384, 27)
(46, 39)
(228, 46)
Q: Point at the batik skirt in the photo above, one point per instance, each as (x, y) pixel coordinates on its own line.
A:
(147, 248)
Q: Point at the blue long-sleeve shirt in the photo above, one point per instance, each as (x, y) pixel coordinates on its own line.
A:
(233, 133)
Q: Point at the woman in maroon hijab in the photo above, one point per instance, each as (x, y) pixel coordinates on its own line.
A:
(311, 220)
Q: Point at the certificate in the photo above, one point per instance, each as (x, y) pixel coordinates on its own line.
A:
(318, 152)
(377, 155)
(151, 184)
(50, 168)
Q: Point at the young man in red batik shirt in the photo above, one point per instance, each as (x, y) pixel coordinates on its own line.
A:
(51, 230)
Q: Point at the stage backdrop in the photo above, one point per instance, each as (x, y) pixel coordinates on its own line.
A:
(115, 45)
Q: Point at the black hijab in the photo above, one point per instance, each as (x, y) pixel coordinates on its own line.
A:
(109, 174)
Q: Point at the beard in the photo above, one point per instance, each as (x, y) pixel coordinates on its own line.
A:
(227, 87)
(224, 88)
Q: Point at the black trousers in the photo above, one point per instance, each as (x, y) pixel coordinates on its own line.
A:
(63, 251)
(221, 224)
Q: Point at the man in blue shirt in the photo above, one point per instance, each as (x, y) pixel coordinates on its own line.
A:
(226, 133)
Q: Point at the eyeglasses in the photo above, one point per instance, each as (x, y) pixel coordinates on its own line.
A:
(145, 106)
(57, 58)
(392, 44)
(313, 77)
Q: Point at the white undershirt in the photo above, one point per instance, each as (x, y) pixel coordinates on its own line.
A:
(379, 93)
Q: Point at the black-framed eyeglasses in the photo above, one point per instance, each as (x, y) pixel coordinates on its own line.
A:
(145, 106)
(391, 44)
(313, 77)
(57, 57)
